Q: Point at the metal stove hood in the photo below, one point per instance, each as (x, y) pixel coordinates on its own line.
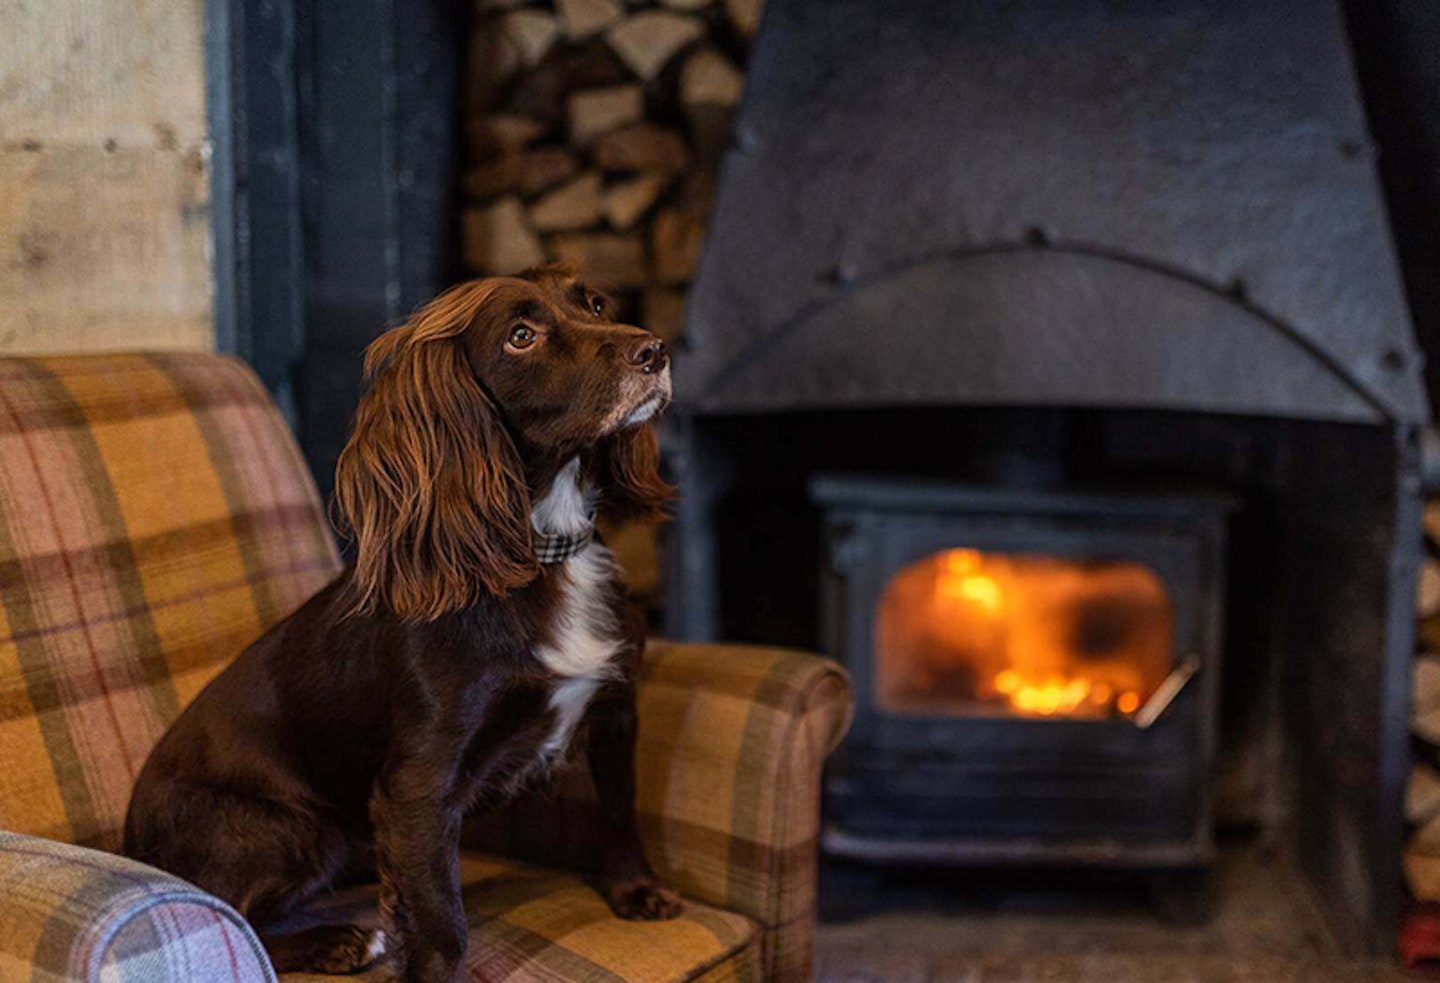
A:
(1118, 203)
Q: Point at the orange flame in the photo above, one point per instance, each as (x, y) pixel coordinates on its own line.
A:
(1042, 636)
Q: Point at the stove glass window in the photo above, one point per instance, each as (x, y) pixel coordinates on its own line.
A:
(965, 632)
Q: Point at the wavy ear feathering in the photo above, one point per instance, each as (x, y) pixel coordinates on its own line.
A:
(430, 484)
(627, 473)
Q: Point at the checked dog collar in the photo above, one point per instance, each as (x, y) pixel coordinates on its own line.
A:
(559, 547)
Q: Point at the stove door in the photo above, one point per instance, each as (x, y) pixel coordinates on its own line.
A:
(1036, 677)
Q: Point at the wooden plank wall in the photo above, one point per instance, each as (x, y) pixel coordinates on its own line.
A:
(104, 223)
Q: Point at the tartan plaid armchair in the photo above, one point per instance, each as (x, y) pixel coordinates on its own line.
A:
(155, 517)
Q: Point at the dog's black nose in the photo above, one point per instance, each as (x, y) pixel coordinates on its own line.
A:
(650, 356)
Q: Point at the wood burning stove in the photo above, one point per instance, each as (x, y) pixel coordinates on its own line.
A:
(1068, 246)
(1036, 673)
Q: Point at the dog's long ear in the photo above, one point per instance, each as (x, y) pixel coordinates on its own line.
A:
(430, 484)
(627, 474)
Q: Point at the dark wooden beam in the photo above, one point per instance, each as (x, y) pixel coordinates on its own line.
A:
(336, 134)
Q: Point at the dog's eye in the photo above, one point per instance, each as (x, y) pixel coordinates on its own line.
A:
(522, 336)
(597, 306)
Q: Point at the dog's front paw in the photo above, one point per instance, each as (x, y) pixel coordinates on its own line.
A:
(643, 899)
(329, 949)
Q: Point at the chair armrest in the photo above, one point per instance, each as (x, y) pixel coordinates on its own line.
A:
(732, 742)
(68, 913)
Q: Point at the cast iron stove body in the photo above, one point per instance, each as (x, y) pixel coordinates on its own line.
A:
(984, 781)
(1045, 245)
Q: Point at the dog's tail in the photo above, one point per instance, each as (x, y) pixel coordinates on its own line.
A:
(333, 949)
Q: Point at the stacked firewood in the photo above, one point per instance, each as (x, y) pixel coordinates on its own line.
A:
(594, 131)
(1422, 791)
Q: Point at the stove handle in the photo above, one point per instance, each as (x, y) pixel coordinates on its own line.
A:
(1166, 692)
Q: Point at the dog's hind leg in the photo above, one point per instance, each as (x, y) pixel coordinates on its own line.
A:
(264, 856)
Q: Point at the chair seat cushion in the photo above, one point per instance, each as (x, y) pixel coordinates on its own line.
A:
(533, 923)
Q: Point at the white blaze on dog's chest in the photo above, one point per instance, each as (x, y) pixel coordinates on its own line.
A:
(583, 639)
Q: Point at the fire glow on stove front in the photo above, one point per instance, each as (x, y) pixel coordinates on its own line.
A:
(1036, 673)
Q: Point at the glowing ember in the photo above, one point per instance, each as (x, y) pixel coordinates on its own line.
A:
(1035, 635)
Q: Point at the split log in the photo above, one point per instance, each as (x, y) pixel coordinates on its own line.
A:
(710, 127)
(745, 15)
(492, 60)
(1422, 861)
(1428, 632)
(647, 41)
(708, 78)
(697, 192)
(544, 167)
(615, 261)
(575, 205)
(532, 31)
(544, 92)
(677, 238)
(636, 554)
(1432, 520)
(1427, 592)
(498, 176)
(625, 203)
(497, 239)
(662, 312)
(580, 19)
(502, 133)
(1422, 795)
(596, 111)
(640, 147)
(1425, 683)
(1425, 725)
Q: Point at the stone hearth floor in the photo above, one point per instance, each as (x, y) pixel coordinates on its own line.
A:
(1265, 929)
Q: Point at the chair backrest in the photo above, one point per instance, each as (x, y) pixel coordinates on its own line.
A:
(155, 518)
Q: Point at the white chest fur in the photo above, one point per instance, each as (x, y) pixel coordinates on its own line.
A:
(583, 638)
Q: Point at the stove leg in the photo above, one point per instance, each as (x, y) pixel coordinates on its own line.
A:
(1182, 897)
(848, 892)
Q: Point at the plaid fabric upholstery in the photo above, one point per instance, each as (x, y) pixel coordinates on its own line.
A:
(731, 743)
(531, 923)
(75, 914)
(155, 517)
